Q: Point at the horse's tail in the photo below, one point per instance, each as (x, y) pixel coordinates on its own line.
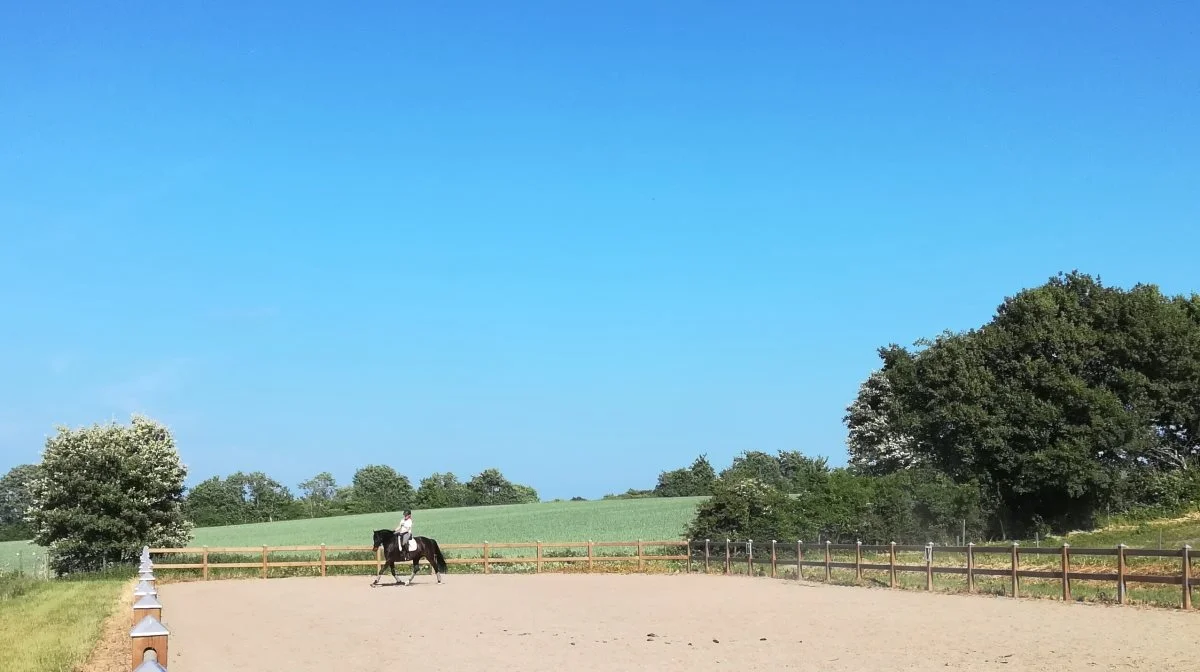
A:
(441, 559)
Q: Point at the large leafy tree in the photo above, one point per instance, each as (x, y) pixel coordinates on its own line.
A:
(379, 488)
(16, 497)
(104, 491)
(318, 494)
(490, 487)
(441, 491)
(694, 481)
(1070, 402)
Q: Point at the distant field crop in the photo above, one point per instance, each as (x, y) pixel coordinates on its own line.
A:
(605, 520)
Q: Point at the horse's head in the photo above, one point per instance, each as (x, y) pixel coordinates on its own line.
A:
(381, 538)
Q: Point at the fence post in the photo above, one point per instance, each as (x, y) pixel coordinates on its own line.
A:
(773, 561)
(929, 565)
(827, 568)
(971, 567)
(706, 556)
(1187, 576)
(148, 642)
(799, 559)
(148, 605)
(1066, 572)
(892, 564)
(487, 566)
(264, 561)
(322, 559)
(204, 561)
(749, 557)
(1120, 573)
(858, 561)
(538, 563)
(1016, 583)
(689, 556)
(726, 557)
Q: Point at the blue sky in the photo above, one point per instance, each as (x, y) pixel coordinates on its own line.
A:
(580, 242)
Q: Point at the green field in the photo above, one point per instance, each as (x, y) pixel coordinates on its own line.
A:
(605, 520)
(51, 626)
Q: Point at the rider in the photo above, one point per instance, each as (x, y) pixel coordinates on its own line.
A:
(404, 531)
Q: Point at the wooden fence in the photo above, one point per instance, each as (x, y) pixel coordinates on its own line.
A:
(1063, 564)
(535, 555)
(1066, 563)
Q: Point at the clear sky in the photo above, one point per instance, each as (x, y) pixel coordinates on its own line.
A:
(580, 242)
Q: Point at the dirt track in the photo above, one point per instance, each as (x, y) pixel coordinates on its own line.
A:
(596, 622)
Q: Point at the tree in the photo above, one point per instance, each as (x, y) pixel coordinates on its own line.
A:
(380, 489)
(15, 499)
(757, 465)
(215, 502)
(746, 508)
(694, 481)
(318, 493)
(441, 491)
(105, 491)
(874, 443)
(490, 487)
(1068, 402)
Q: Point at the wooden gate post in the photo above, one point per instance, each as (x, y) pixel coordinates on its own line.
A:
(726, 557)
(204, 561)
(264, 561)
(487, 565)
(1187, 576)
(538, 563)
(749, 557)
(799, 559)
(1016, 582)
(706, 555)
(689, 556)
(892, 564)
(971, 567)
(772, 558)
(1066, 572)
(1120, 573)
(322, 559)
(827, 568)
(858, 561)
(929, 565)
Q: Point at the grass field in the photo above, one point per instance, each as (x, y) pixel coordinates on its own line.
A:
(604, 520)
(51, 626)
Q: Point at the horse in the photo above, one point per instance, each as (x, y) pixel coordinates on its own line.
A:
(392, 553)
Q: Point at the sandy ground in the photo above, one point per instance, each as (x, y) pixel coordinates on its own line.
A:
(596, 622)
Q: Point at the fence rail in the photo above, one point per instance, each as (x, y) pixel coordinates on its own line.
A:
(535, 555)
(1062, 565)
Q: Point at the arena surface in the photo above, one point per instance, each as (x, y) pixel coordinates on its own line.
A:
(606, 622)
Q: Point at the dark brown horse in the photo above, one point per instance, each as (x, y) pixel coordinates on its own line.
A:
(392, 553)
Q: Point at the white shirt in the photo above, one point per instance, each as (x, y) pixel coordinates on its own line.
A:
(405, 526)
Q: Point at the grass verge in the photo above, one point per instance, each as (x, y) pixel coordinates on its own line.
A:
(52, 626)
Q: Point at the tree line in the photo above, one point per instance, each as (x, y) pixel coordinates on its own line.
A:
(256, 497)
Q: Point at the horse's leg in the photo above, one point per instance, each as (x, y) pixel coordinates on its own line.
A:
(380, 574)
(395, 578)
(416, 561)
(433, 564)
